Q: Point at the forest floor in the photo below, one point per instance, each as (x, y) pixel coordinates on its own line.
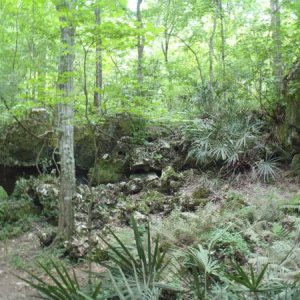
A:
(22, 251)
(14, 254)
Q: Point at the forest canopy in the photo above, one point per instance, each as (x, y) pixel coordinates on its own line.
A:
(176, 58)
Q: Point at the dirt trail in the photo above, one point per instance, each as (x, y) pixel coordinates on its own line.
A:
(14, 253)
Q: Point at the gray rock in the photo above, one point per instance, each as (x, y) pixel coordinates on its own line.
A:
(46, 237)
(46, 189)
(148, 177)
(139, 217)
(174, 185)
(154, 156)
(134, 186)
(170, 179)
(77, 247)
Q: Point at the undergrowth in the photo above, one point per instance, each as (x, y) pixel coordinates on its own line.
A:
(221, 251)
(234, 144)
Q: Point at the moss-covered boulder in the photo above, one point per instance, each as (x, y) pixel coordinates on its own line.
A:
(155, 156)
(22, 145)
(170, 180)
(154, 200)
(42, 192)
(107, 171)
(200, 196)
(112, 135)
(3, 194)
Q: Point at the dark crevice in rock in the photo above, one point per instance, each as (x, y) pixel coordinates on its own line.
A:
(143, 171)
(9, 176)
(81, 176)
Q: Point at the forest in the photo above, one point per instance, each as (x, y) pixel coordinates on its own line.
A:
(150, 149)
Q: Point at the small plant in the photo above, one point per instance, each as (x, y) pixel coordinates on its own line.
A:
(230, 244)
(266, 170)
(279, 230)
(133, 287)
(151, 261)
(200, 260)
(200, 271)
(62, 285)
(253, 282)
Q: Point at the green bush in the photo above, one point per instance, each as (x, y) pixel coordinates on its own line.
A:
(230, 244)
(15, 217)
(3, 194)
(232, 143)
(14, 210)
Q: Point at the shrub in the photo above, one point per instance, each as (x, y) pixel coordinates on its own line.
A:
(3, 194)
(232, 143)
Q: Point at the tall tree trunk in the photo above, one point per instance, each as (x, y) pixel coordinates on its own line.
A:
(211, 58)
(223, 38)
(99, 72)
(277, 48)
(141, 43)
(65, 111)
(165, 46)
(167, 35)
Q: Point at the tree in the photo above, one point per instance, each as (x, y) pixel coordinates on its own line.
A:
(141, 43)
(277, 64)
(65, 114)
(211, 56)
(99, 72)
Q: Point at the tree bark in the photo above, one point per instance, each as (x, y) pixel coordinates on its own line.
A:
(65, 111)
(211, 58)
(277, 48)
(167, 34)
(99, 72)
(141, 43)
(223, 38)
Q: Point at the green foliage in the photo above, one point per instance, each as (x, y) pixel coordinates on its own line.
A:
(42, 193)
(3, 194)
(16, 216)
(204, 270)
(151, 260)
(266, 170)
(134, 288)
(31, 199)
(292, 204)
(253, 282)
(230, 142)
(222, 139)
(17, 228)
(12, 210)
(63, 286)
(131, 277)
(230, 244)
